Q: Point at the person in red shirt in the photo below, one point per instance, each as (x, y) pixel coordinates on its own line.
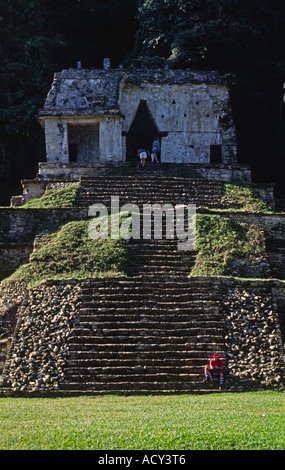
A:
(215, 367)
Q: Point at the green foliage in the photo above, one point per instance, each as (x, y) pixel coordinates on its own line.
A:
(148, 62)
(28, 58)
(221, 34)
(244, 198)
(220, 240)
(37, 39)
(71, 253)
(234, 421)
(54, 198)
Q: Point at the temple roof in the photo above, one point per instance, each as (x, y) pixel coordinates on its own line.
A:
(95, 92)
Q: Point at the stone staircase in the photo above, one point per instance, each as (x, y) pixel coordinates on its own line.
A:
(154, 331)
(159, 258)
(143, 336)
(149, 189)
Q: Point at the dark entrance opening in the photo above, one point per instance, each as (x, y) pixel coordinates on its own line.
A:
(141, 133)
(215, 154)
(73, 152)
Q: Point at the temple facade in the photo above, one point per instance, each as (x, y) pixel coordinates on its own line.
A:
(102, 116)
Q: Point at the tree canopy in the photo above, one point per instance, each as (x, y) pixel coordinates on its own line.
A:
(38, 38)
(229, 35)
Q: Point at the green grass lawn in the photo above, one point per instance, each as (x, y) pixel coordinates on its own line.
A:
(246, 421)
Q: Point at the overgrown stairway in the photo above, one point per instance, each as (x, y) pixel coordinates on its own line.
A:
(154, 331)
(143, 336)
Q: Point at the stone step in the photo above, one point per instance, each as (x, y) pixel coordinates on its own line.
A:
(194, 357)
(198, 355)
(133, 335)
(121, 312)
(93, 368)
(136, 328)
(153, 315)
(142, 304)
(130, 388)
(194, 283)
(158, 290)
(199, 388)
(127, 287)
(89, 301)
(159, 295)
(130, 376)
(165, 345)
(149, 179)
(138, 388)
(96, 322)
(149, 189)
(124, 334)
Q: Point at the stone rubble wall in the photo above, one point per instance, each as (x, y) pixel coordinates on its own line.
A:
(252, 314)
(40, 343)
(12, 295)
(253, 337)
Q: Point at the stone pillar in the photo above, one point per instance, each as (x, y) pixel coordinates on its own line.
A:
(110, 140)
(56, 135)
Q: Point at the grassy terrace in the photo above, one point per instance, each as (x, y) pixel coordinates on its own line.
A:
(55, 198)
(248, 421)
(69, 252)
(221, 241)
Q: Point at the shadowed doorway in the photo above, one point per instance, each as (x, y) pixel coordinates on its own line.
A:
(141, 133)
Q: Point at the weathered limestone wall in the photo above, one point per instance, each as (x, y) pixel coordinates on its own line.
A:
(110, 140)
(13, 255)
(86, 138)
(56, 137)
(82, 91)
(97, 139)
(19, 227)
(192, 115)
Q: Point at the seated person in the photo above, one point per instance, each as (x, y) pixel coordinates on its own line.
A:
(214, 369)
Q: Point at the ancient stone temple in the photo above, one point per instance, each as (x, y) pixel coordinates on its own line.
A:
(102, 116)
(147, 320)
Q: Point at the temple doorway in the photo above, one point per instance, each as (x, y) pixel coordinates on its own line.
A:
(142, 132)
